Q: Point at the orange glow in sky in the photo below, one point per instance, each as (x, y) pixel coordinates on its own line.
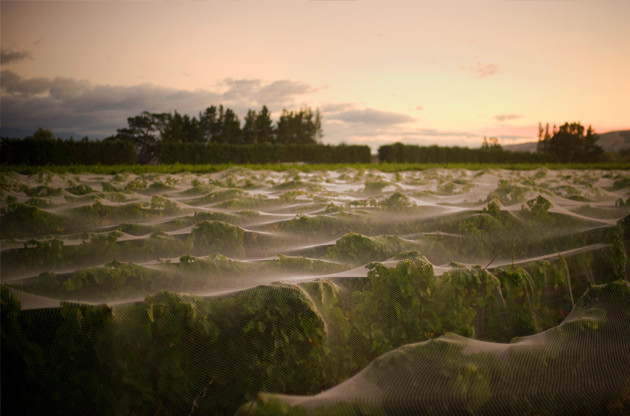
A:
(423, 72)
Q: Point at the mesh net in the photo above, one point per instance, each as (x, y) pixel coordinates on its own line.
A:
(444, 291)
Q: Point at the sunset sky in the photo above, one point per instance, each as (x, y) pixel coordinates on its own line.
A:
(425, 72)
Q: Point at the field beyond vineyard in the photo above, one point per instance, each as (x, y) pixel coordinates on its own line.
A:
(319, 290)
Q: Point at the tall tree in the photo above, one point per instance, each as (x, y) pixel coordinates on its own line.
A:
(142, 131)
(250, 135)
(192, 129)
(264, 126)
(174, 129)
(299, 127)
(42, 134)
(231, 127)
(209, 124)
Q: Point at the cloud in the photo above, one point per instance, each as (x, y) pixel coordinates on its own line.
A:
(251, 92)
(419, 107)
(482, 70)
(371, 117)
(70, 106)
(240, 88)
(504, 117)
(336, 107)
(15, 85)
(279, 92)
(442, 133)
(510, 137)
(9, 55)
(486, 70)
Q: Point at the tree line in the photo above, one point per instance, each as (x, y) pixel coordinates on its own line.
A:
(221, 125)
(42, 148)
(490, 153)
(569, 143)
(215, 136)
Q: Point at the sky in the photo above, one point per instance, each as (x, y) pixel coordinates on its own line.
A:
(421, 72)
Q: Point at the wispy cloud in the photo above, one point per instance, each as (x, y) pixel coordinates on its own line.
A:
(9, 55)
(482, 70)
(486, 70)
(504, 117)
(281, 92)
(371, 116)
(336, 107)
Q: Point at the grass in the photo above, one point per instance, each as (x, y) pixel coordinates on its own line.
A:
(383, 167)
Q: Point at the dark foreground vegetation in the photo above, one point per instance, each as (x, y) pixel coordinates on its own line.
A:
(175, 354)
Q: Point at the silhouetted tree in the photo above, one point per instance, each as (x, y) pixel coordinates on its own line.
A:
(264, 126)
(570, 144)
(491, 143)
(173, 129)
(231, 128)
(209, 124)
(300, 127)
(250, 135)
(43, 134)
(141, 130)
(220, 125)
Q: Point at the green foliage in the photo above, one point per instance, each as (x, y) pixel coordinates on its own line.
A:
(108, 187)
(462, 294)
(104, 214)
(116, 280)
(463, 376)
(80, 189)
(398, 308)
(509, 193)
(533, 299)
(374, 186)
(24, 220)
(59, 360)
(177, 354)
(164, 205)
(217, 196)
(328, 226)
(306, 265)
(268, 338)
(537, 209)
(136, 184)
(158, 187)
(620, 183)
(359, 249)
(36, 202)
(42, 190)
(218, 236)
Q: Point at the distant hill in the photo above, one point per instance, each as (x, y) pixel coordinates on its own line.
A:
(611, 141)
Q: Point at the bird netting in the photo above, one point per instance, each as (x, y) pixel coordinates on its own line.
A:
(350, 292)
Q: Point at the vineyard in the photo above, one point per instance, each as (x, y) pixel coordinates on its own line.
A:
(345, 291)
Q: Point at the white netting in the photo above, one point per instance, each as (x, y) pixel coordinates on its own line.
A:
(326, 292)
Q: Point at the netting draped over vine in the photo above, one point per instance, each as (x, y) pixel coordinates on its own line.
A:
(328, 292)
